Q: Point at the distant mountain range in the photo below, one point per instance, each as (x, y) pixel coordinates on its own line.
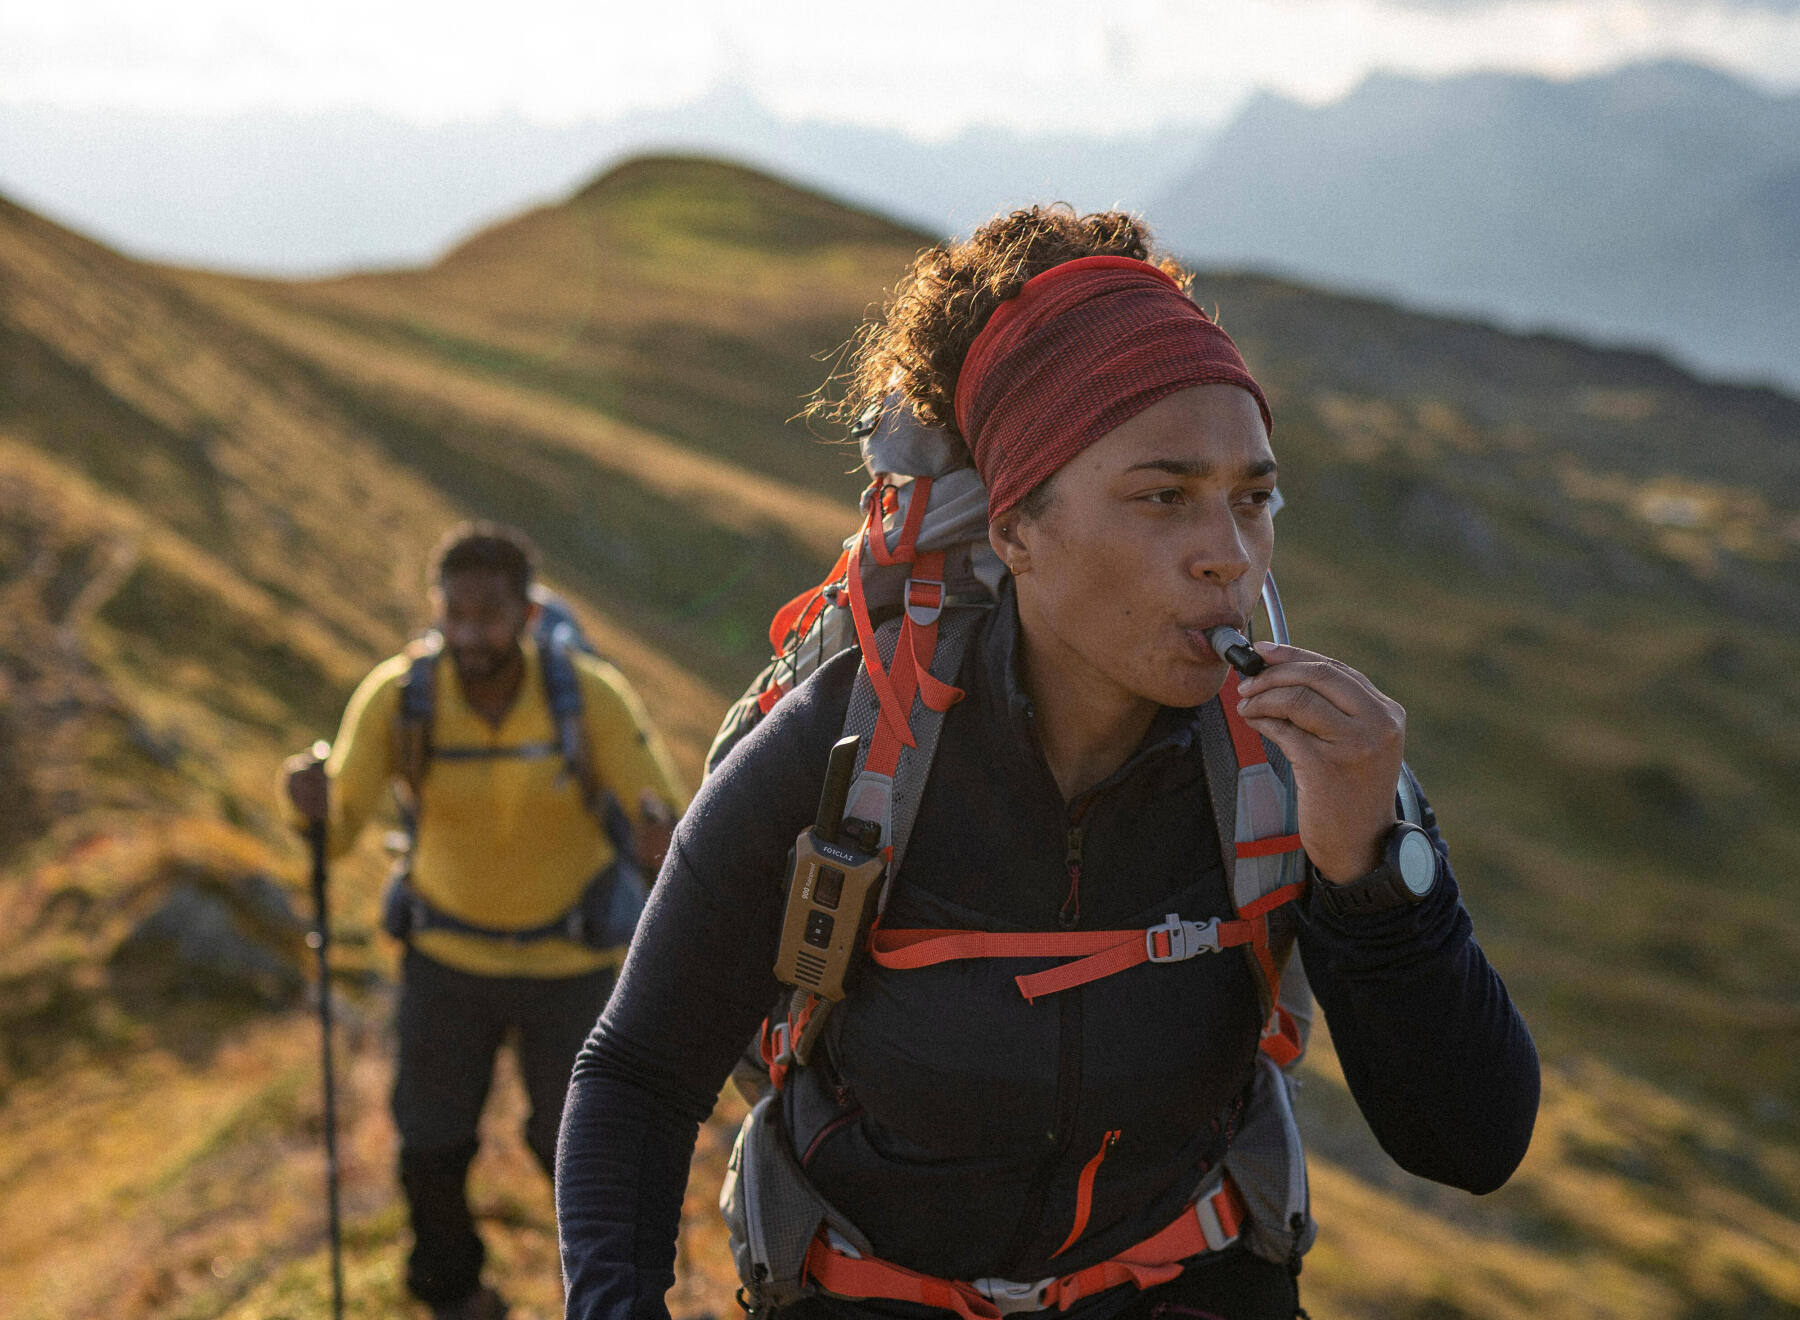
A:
(308, 194)
(1656, 205)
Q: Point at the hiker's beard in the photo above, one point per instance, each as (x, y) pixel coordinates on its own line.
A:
(481, 664)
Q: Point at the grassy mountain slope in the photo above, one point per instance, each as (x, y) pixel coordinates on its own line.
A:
(216, 500)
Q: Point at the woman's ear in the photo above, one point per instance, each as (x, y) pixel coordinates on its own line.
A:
(1004, 536)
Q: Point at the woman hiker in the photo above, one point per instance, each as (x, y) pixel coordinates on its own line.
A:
(993, 1135)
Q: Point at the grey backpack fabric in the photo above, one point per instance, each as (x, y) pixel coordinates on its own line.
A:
(773, 1211)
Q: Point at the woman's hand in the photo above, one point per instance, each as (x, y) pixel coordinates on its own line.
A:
(1345, 740)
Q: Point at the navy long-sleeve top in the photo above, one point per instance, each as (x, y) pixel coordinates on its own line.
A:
(964, 1114)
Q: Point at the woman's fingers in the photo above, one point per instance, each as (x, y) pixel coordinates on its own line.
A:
(1321, 695)
(1303, 704)
(1344, 739)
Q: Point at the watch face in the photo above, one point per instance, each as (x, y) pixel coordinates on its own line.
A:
(1418, 862)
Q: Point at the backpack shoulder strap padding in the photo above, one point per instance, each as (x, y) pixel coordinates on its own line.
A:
(562, 693)
(1256, 812)
(413, 720)
(890, 793)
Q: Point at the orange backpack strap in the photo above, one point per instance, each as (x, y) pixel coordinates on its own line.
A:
(1210, 1223)
(1265, 860)
(787, 1044)
(908, 672)
(1097, 953)
(903, 688)
(1259, 821)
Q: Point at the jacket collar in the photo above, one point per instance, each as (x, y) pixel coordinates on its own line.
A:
(1007, 705)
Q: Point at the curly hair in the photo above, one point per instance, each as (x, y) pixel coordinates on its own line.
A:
(917, 345)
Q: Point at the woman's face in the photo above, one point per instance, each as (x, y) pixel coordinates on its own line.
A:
(1157, 531)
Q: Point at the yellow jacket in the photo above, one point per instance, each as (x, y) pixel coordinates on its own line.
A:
(506, 842)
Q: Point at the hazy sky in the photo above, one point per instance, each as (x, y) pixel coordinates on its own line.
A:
(924, 66)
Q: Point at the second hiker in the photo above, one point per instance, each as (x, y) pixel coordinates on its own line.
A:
(537, 798)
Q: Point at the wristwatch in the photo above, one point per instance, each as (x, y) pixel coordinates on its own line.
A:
(1406, 874)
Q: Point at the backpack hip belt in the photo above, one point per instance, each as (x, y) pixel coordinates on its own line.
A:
(1210, 1222)
(601, 918)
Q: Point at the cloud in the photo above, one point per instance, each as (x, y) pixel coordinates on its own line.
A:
(926, 67)
(1478, 6)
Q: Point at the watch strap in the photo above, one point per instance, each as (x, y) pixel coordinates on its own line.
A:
(1379, 890)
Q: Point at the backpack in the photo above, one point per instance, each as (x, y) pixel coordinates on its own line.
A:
(556, 622)
(606, 913)
(909, 593)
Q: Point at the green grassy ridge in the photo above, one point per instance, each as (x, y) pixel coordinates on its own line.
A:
(67, 739)
(698, 299)
(733, 206)
(683, 386)
(260, 680)
(703, 591)
(158, 398)
(107, 440)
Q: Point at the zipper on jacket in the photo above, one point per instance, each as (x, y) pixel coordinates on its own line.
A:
(1084, 1193)
(1069, 914)
(1061, 1133)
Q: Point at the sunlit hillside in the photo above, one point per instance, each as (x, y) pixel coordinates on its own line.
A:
(1576, 568)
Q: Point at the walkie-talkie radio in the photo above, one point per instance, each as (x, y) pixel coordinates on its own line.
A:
(832, 888)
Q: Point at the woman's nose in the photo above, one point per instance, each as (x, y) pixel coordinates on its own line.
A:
(1218, 553)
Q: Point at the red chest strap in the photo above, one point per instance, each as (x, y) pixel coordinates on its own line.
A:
(1097, 953)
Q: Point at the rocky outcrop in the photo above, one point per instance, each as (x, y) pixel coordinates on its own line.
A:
(218, 937)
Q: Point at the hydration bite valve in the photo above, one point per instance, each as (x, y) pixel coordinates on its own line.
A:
(1235, 650)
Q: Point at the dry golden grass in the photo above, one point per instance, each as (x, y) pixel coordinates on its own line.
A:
(415, 383)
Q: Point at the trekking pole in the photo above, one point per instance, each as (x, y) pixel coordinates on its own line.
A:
(320, 940)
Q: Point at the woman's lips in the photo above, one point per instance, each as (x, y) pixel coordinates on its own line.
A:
(1201, 642)
(1201, 631)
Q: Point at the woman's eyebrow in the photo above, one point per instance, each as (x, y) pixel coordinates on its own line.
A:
(1200, 468)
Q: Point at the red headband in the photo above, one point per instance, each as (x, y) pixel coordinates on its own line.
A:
(1083, 348)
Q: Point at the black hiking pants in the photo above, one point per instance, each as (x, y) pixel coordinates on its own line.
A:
(451, 1025)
